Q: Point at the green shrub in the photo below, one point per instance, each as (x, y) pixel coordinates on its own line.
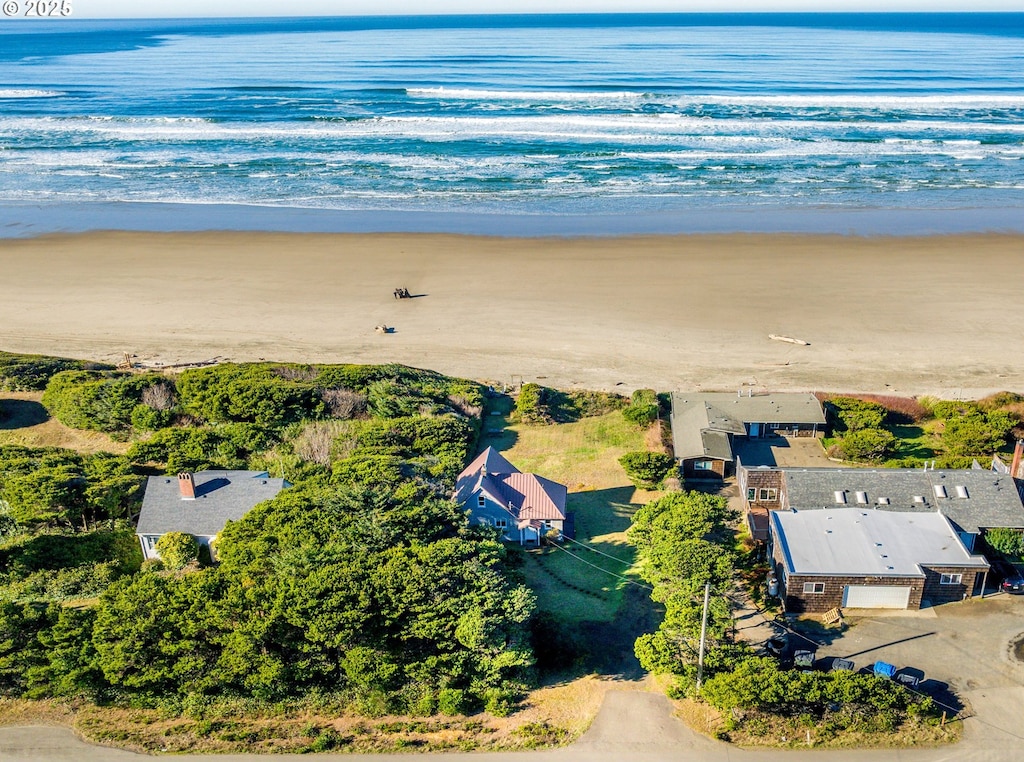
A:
(32, 372)
(99, 401)
(498, 702)
(854, 414)
(451, 701)
(644, 408)
(1008, 542)
(867, 444)
(177, 549)
(977, 434)
(531, 405)
(647, 470)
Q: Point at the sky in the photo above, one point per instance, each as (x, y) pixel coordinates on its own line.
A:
(243, 8)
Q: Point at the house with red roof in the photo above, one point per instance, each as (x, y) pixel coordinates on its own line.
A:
(525, 507)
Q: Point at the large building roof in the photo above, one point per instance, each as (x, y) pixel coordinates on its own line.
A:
(221, 496)
(525, 496)
(696, 415)
(871, 543)
(973, 499)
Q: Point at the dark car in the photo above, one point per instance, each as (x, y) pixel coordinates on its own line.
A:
(1013, 582)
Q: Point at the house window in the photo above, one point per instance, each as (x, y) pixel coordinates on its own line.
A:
(704, 465)
(500, 523)
(817, 588)
(750, 494)
(150, 542)
(768, 494)
(951, 579)
(481, 501)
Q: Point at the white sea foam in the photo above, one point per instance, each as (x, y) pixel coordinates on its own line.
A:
(862, 101)
(15, 93)
(532, 96)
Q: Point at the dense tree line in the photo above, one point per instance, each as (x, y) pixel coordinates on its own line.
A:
(363, 581)
(684, 543)
(394, 603)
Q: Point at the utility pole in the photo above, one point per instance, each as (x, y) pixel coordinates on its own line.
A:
(703, 635)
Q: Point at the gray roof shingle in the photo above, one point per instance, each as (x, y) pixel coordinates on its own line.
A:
(221, 496)
(972, 499)
(694, 414)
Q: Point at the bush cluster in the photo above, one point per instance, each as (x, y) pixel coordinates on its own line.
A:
(643, 409)
(21, 373)
(647, 470)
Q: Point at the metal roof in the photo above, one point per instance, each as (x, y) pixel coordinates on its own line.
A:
(221, 496)
(525, 496)
(870, 543)
(973, 499)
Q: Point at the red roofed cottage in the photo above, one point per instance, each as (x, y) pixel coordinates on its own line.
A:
(523, 506)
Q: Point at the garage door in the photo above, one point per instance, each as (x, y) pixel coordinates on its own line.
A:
(875, 597)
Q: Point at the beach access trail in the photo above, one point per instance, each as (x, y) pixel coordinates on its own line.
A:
(935, 315)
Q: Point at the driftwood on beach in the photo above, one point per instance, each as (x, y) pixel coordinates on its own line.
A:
(788, 339)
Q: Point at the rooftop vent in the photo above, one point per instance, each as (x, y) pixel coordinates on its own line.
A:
(840, 496)
(862, 498)
(918, 498)
(883, 501)
(940, 490)
(961, 491)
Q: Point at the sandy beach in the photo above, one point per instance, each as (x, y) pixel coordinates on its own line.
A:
(936, 315)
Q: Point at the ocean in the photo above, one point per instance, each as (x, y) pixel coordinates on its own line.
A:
(516, 124)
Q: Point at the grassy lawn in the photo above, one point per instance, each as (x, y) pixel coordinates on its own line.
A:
(917, 441)
(573, 582)
(24, 421)
(581, 583)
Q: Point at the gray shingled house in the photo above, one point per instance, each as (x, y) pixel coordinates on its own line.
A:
(523, 506)
(705, 424)
(200, 504)
(867, 558)
(973, 500)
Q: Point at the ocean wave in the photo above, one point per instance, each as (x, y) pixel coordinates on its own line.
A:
(589, 128)
(469, 94)
(14, 94)
(889, 102)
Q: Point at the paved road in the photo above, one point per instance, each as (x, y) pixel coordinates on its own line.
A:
(631, 727)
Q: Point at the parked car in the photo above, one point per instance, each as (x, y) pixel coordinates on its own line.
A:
(1013, 581)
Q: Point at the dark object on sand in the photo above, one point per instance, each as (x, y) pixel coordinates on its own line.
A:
(402, 293)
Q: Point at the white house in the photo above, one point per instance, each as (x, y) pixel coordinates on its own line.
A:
(200, 504)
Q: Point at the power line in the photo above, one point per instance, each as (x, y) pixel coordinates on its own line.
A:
(606, 571)
(599, 552)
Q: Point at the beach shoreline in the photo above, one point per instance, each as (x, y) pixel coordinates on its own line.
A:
(28, 220)
(898, 315)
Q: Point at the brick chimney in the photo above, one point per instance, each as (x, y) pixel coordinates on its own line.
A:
(187, 486)
(1018, 450)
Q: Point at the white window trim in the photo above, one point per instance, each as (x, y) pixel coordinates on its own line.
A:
(813, 588)
(704, 465)
(501, 523)
(481, 501)
(951, 579)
